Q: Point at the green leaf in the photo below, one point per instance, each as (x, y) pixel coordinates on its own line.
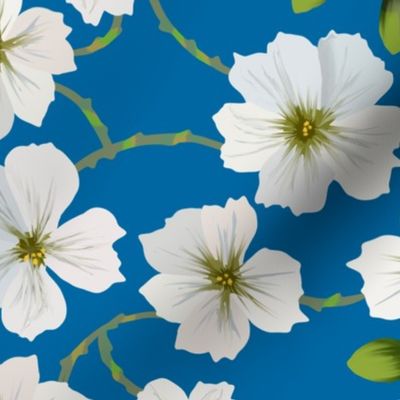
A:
(389, 25)
(301, 6)
(377, 361)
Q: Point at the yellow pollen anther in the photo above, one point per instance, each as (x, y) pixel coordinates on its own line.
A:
(310, 127)
(219, 278)
(230, 282)
(26, 257)
(306, 123)
(226, 275)
(35, 262)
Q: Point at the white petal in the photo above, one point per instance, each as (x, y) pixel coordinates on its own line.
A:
(250, 136)
(365, 159)
(11, 219)
(44, 45)
(92, 10)
(43, 181)
(379, 266)
(221, 391)
(171, 249)
(19, 378)
(352, 77)
(175, 297)
(274, 282)
(33, 303)
(289, 73)
(56, 391)
(30, 90)
(81, 251)
(161, 389)
(207, 330)
(9, 11)
(230, 228)
(7, 112)
(293, 181)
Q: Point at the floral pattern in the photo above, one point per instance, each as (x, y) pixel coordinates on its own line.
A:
(33, 48)
(19, 379)
(161, 389)
(206, 285)
(318, 123)
(307, 123)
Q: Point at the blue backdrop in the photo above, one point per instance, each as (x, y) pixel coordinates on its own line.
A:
(146, 82)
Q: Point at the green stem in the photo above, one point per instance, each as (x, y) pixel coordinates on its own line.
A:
(105, 349)
(189, 45)
(337, 300)
(139, 140)
(85, 105)
(68, 363)
(101, 42)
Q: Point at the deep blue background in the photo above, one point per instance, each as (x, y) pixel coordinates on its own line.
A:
(146, 82)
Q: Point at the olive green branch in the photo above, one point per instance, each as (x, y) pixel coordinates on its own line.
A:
(86, 106)
(189, 45)
(101, 42)
(336, 300)
(140, 140)
(68, 363)
(105, 349)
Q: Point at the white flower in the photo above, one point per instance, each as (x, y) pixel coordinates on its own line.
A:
(37, 184)
(93, 10)
(310, 118)
(205, 285)
(33, 47)
(163, 389)
(19, 380)
(379, 266)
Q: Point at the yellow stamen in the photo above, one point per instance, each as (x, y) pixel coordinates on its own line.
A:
(219, 278)
(230, 282)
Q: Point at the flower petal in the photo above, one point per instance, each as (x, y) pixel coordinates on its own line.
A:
(56, 391)
(250, 136)
(352, 77)
(44, 45)
(9, 11)
(208, 330)
(289, 73)
(171, 249)
(43, 181)
(162, 389)
(174, 297)
(33, 303)
(30, 90)
(81, 251)
(92, 10)
(19, 378)
(221, 391)
(364, 162)
(7, 112)
(274, 289)
(294, 181)
(229, 229)
(379, 266)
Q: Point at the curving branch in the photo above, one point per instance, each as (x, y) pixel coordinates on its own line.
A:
(189, 45)
(140, 140)
(105, 349)
(102, 42)
(85, 105)
(68, 363)
(337, 300)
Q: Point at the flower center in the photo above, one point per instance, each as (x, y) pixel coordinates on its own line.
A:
(306, 128)
(226, 280)
(31, 248)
